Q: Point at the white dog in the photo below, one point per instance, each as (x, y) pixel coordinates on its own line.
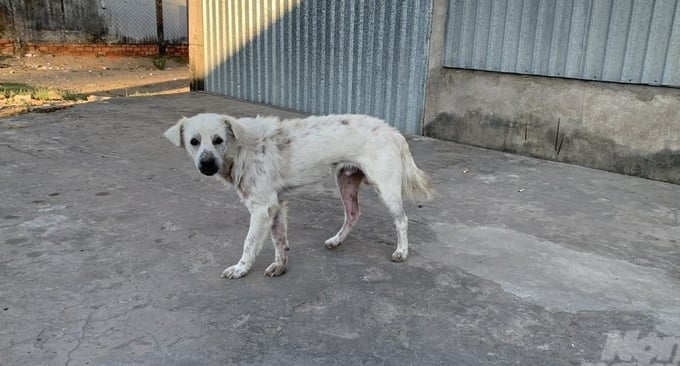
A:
(266, 159)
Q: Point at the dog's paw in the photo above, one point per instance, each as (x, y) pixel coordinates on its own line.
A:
(235, 271)
(333, 242)
(275, 269)
(399, 256)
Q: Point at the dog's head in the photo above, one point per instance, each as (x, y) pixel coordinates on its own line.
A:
(206, 137)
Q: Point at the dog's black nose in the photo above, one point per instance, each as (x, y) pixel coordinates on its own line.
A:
(208, 166)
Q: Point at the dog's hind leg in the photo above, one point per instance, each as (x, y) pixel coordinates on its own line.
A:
(387, 183)
(280, 240)
(394, 203)
(348, 180)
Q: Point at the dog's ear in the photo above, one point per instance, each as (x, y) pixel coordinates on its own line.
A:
(234, 127)
(176, 133)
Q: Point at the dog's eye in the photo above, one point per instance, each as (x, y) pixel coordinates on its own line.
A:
(194, 142)
(217, 140)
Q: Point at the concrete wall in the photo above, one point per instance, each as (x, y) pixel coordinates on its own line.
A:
(51, 20)
(629, 129)
(114, 21)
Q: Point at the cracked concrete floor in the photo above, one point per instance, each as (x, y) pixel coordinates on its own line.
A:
(112, 245)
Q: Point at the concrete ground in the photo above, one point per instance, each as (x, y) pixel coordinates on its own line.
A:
(112, 245)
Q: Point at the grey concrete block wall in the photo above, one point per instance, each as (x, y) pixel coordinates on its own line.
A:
(621, 128)
(630, 129)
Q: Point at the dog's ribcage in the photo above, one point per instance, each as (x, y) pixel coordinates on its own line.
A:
(296, 153)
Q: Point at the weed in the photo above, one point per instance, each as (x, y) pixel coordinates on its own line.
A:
(159, 62)
(140, 94)
(9, 90)
(69, 95)
(41, 94)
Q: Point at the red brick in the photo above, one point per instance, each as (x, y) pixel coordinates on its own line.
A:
(7, 47)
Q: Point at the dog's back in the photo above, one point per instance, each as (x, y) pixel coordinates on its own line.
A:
(333, 137)
(314, 144)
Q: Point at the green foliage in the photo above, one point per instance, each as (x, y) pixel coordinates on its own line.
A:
(159, 62)
(69, 95)
(41, 94)
(9, 90)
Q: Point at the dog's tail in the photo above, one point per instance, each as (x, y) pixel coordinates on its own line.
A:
(416, 184)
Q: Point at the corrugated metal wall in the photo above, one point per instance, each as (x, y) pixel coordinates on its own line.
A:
(341, 56)
(630, 41)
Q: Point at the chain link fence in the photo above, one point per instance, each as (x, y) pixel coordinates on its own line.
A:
(146, 21)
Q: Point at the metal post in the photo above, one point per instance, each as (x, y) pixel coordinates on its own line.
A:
(196, 58)
(159, 27)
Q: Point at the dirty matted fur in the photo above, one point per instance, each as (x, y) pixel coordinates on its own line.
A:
(265, 159)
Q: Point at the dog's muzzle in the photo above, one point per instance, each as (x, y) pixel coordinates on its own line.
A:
(208, 166)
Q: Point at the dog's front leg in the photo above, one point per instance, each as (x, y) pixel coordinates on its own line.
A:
(260, 223)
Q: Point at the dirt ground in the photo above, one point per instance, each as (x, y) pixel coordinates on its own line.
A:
(91, 78)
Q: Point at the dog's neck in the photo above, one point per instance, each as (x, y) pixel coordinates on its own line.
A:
(231, 175)
(226, 170)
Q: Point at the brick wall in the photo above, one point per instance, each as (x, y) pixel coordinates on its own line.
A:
(92, 49)
(6, 47)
